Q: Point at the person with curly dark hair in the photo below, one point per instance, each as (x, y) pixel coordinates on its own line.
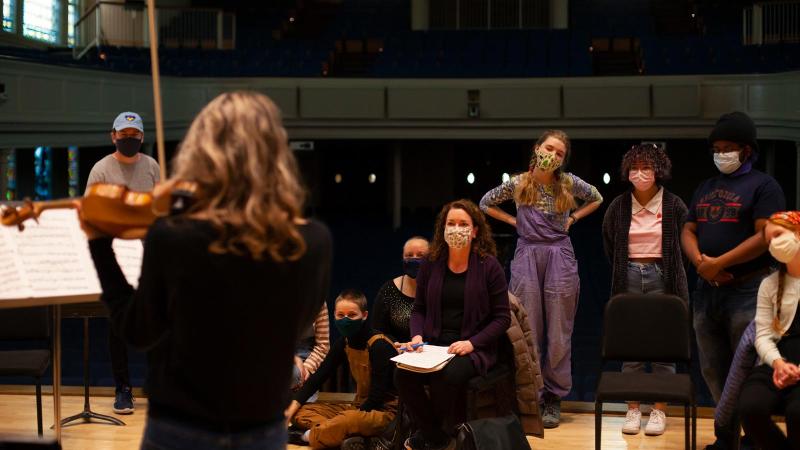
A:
(462, 302)
(641, 235)
(544, 272)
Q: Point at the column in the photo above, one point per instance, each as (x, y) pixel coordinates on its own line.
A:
(420, 11)
(397, 186)
(769, 159)
(559, 14)
(797, 176)
(63, 21)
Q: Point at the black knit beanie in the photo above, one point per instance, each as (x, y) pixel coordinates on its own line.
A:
(735, 127)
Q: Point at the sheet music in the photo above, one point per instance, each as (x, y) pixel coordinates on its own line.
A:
(51, 259)
(54, 257)
(13, 281)
(430, 357)
(129, 257)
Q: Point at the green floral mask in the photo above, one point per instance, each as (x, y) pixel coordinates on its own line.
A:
(546, 161)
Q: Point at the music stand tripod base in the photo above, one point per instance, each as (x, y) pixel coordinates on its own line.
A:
(87, 414)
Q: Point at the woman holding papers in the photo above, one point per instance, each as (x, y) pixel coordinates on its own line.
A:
(234, 281)
(461, 303)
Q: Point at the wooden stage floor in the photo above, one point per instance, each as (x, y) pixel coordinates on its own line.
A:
(18, 417)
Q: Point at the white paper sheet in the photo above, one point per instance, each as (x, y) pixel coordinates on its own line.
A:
(51, 259)
(431, 356)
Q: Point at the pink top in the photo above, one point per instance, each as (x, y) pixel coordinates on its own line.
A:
(644, 238)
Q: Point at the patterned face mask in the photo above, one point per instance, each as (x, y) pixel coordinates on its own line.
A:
(546, 161)
(457, 237)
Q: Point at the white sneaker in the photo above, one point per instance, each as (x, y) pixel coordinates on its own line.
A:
(656, 424)
(633, 421)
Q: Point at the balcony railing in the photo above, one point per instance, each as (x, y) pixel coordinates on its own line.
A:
(119, 24)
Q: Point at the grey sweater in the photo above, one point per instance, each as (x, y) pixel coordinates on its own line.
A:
(616, 226)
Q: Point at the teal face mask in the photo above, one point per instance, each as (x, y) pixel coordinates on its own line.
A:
(349, 327)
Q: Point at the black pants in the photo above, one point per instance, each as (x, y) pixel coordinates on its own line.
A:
(759, 400)
(119, 358)
(446, 398)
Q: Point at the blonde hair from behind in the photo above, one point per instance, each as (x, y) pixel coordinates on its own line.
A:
(527, 191)
(237, 152)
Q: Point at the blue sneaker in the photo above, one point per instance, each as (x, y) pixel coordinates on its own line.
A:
(123, 400)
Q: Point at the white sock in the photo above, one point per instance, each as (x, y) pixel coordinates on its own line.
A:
(305, 437)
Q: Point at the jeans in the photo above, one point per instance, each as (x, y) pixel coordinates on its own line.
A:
(721, 315)
(169, 434)
(646, 278)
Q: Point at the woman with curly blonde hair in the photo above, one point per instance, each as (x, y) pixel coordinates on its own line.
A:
(226, 288)
(461, 303)
(544, 272)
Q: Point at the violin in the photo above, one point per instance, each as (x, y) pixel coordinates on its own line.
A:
(112, 209)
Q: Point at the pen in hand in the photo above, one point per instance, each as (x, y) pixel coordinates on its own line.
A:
(413, 346)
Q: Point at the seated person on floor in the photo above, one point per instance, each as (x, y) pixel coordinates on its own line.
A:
(368, 353)
(772, 387)
(311, 350)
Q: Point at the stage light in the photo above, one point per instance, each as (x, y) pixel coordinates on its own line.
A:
(337, 178)
(372, 178)
(506, 177)
(291, 19)
(606, 178)
(471, 178)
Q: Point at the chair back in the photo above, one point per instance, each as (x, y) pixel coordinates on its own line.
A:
(649, 327)
(25, 323)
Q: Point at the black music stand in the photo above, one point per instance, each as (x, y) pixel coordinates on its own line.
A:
(87, 311)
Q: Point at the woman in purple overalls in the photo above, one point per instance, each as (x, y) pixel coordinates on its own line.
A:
(544, 272)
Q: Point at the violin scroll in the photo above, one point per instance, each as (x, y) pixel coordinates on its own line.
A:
(16, 215)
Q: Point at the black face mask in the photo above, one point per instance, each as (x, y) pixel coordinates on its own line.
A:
(129, 146)
(411, 266)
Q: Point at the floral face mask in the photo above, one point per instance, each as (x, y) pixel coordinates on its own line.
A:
(546, 161)
(457, 237)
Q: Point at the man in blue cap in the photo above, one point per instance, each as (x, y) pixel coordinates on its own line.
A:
(126, 166)
(138, 172)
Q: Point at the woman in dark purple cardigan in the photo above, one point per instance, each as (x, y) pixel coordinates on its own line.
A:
(462, 302)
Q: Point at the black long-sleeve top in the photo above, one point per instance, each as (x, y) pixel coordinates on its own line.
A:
(219, 329)
(381, 388)
(391, 312)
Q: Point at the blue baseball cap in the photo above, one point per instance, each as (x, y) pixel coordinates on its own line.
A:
(128, 120)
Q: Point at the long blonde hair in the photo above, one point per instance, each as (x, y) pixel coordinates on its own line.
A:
(527, 191)
(237, 152)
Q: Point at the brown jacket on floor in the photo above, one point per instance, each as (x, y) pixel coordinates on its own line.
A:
(528, 376)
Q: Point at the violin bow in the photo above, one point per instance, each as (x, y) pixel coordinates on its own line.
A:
(151, 19)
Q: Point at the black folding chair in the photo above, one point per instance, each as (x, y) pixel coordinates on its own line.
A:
(647, 328)
(26, 324)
